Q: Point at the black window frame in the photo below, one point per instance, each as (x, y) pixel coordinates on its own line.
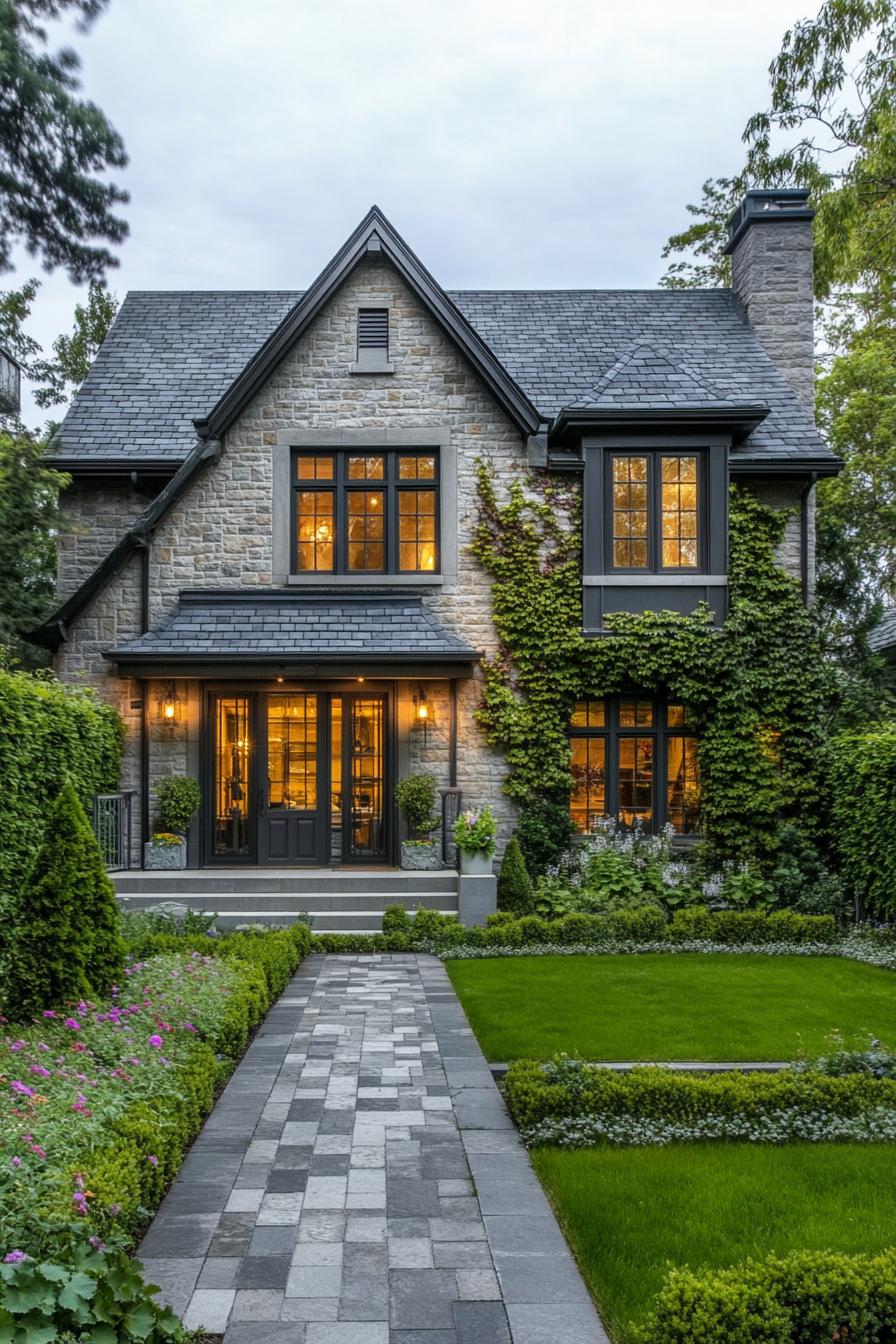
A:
(391, 485)
(660, 730)
(654, 458)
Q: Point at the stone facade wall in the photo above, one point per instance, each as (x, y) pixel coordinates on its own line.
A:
(786, 495)
(96, 515)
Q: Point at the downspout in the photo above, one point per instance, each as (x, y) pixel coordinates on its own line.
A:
(144, 690)
(804, 533)
(452, 734)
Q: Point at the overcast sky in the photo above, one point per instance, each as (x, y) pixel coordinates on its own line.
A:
(512, 143)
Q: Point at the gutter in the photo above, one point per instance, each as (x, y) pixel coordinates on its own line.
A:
(804, 533)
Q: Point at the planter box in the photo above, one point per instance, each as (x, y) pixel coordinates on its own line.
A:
(165, 856)
(422, 858)
(478, 864)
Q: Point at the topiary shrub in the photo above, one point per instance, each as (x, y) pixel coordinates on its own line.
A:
(177, 799)
(515, 890)
(544, 831)
(416, 799)
(863, 803)
(44, 959)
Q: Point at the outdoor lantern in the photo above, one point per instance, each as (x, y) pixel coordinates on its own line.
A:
(169, 706)
(421, 713)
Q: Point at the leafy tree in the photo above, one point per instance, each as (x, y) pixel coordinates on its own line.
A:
(29, 517)
(73, 355)
(15, 309)
(54, 148)
(831, 127)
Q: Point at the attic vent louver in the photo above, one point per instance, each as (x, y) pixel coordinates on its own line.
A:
(373, 329)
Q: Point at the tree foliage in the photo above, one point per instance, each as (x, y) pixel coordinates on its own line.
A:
(29, 519)
(61, 376)
(54, 148)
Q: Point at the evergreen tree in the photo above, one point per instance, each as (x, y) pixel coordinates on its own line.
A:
(44, 960)
(54, 148)
(515, 891)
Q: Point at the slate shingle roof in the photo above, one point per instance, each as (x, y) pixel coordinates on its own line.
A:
(208, 624)
(646, 377)
(171, 356)
(883, 636)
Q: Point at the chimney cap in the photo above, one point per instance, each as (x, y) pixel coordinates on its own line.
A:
(768, 205)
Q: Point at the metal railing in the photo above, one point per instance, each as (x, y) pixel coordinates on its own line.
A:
(112, 826)
(450, 813)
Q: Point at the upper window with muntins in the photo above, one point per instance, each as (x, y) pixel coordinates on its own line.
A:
(366, 512)
(655, 512)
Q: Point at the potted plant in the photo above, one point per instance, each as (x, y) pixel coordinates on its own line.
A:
(177, 799)
(416, 799)
(474, 835)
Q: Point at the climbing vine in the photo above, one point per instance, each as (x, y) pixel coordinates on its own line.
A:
(753, 687)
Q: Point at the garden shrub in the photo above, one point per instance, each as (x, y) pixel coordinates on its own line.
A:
(396, 920)
(863, 794)
(564, 1089)
(515, 890)
(735, 928)
(544, 831)
(801, 1298)
(44, 958)
(51, 733)
(96, 915)
(416, 799)
(647, 925)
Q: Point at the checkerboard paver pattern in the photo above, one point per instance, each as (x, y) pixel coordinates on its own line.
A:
(360, 1182)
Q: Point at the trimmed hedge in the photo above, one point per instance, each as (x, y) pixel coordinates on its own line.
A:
(51, 733)
(863, 813)
(565, 1090)
(796, 1299)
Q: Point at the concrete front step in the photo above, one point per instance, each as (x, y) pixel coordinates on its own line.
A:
(295, 882)
(322, 921)
(225, 901)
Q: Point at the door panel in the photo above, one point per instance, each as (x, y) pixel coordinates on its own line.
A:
(289, 826)
(364, 767)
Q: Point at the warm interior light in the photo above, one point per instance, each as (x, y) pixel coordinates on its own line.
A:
(423, 710)
(360, 679)
(427, 557)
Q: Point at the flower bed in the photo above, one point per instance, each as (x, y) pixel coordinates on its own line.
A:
(98, 1102)
(573, 1105)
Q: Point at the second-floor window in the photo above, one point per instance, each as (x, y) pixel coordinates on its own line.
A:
(654, 511)
(366, 512)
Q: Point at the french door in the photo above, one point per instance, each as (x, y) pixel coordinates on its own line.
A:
(298, 777)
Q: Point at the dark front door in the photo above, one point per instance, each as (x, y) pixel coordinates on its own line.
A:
(291, 819)
(299, 776)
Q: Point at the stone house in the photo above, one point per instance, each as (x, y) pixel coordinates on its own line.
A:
(268, 571)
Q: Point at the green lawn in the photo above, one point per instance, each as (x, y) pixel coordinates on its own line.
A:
(628, 1212)
(661, 1007)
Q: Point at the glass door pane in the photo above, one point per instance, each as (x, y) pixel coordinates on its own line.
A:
(636, 779)
(232, 784)
(366, 768)
(292, 752)
(336, 779)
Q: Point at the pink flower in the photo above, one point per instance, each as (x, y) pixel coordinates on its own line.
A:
(155, 1042)
(97, 1243)
(73, 1024)
(36, 1148)
(40, 1071)
(21, 1088)
(14, 1258)
(48, 1012)
(17, 1045)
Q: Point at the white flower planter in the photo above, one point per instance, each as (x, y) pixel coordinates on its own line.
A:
(167, 857)
(476, 864)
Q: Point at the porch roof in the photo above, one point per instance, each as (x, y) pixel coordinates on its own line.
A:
(264, 633)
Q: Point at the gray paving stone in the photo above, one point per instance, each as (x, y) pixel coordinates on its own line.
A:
(482, 1323)
(542, 1324)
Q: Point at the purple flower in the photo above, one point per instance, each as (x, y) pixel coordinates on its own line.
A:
(17, 1161)
(48, 1012)
(21, 1088)
(97, 1243)
(152, 1160)
(155, 1042)
(39, 1070)
(73, 1023)
(14, 1258)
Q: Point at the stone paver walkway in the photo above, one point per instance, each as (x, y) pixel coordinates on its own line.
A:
(360, 1182)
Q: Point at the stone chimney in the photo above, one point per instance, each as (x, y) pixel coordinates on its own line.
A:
(770, 245)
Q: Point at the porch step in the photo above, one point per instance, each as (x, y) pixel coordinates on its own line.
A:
(336, 901)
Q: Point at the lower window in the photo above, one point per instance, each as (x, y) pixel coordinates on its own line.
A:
(635, 759)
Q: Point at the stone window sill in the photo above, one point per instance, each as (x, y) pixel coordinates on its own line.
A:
(365, 580)
(383, 367)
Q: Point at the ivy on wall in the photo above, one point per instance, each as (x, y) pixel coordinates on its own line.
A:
(753, 687)
(50, 733)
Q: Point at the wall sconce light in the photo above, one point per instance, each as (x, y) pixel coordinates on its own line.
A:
(169, 706)
(422, 716)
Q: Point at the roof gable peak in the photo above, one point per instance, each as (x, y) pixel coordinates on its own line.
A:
(374, 234)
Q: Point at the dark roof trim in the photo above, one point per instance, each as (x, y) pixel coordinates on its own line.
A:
(261, 667)
(114, 466)
(768, 205)
(374, 234)
(738, 420)
(53, 632)
(804, 465)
